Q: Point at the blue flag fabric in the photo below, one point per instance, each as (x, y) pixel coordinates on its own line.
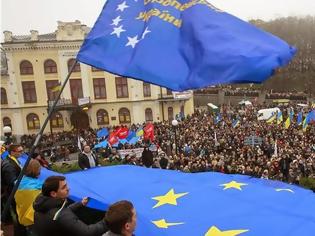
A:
(102, 144)
(102, 133)
(181, 44)
(312, 116)
(131, 135)
(134, 140)
(123, 141)
(175, 203)
(218, 118)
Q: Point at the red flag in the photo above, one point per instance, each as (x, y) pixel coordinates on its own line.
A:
(122, 132)
(149, 132)
(112, 139)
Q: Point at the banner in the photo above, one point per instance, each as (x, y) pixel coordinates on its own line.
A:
(136, 151)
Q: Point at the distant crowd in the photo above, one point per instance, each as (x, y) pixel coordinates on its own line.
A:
(202, 144)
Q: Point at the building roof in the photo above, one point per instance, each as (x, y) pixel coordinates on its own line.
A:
(4, 65)
(41, 37)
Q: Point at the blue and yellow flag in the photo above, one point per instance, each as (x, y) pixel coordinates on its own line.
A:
(166, 43)
(235, 123)
(288, 121)
(207, 204)
(139, 132)
(28, 190)
(272, 118)
(279, 118)
(306, 122)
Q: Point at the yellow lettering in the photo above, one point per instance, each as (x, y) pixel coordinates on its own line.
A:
(143, 16)
(176, 4)
(177, 23)
(169, 18)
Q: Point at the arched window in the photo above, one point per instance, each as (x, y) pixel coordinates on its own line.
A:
(4, 98)
(77, 66)
(148, 114)
(32, 121)
(50, 66)
(56, 120)
(26, 68)
(102, 117)
(124, 115)
(6, 121)
(170, 113)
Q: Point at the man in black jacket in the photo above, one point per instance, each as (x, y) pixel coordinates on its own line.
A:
(87, 159)
(54, 218)
(147, 157)
(11, 167)
(10, 170)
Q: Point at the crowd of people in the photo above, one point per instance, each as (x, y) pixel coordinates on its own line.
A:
(203, 145)
(200, 142)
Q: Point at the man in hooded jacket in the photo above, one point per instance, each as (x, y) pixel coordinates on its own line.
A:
(54, 218)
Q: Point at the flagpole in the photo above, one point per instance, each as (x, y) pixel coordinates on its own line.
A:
(35, 144)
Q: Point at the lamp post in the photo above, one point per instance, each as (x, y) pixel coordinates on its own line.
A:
(7, 132)
(174, 124)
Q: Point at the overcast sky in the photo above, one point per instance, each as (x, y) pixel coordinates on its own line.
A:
(20, 16)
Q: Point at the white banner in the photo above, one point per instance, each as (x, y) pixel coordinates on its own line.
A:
(83, 101)
(136, 151)
(183, 95)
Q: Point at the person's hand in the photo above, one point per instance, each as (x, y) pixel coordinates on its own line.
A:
(85, 201)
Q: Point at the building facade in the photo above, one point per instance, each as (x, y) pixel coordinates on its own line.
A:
(37, 64)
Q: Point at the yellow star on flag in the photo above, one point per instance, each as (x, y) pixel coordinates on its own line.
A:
(233, 184)
(214, 231)
(163, 224)
(169, 198)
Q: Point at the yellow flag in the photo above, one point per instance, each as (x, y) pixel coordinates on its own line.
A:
(287, 123)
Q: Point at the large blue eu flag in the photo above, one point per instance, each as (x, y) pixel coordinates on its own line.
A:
(172, 203)
(181, 44)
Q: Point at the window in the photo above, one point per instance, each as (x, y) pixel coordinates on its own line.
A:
(102, 117)
(50, 66)
(124, 115)
(121, 87)
(52, 89)
(95, 69)
(99, 88)
(32, 121)
(170, 113)
(29, 92)
(56, 120)
(26, 68)
(76, 90)
(6, 121)
(77, 66)
(146, 90)
(4, 98)
(148, 114)
(169, 92)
